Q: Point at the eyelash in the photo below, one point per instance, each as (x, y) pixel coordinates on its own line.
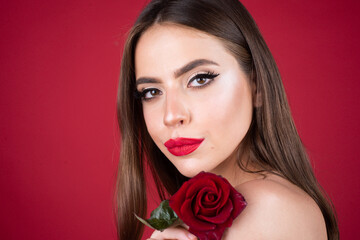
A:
(208, 76)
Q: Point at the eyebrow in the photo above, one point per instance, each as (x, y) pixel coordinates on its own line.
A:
(188, 67)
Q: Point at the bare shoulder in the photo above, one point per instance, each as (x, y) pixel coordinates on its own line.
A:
(277, 209)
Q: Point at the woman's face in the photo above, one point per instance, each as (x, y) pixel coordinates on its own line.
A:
(197, 101)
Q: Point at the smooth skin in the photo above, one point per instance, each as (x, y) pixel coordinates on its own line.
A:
(193, 87)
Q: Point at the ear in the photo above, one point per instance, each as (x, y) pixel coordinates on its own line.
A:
(257, 97)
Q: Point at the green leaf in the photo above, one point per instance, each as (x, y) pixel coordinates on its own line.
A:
(162, 217)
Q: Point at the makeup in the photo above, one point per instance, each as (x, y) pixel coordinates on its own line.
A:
(183, 146)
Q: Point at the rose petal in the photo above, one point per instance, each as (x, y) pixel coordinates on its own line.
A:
(200, 235)
(207, 202)
(209, 235)
(206, 209)
(207, 212)
(194, 188)
(178, 198)
(198, 200)
(221, 215)
(188, 217)
(210, 198)
(239, 203)
(215, 235)
(223, 191)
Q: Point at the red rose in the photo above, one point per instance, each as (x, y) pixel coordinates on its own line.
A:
(208, 204)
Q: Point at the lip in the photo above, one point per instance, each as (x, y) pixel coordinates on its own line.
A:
(183, 146)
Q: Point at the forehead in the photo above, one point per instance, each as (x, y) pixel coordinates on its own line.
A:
(166, 47)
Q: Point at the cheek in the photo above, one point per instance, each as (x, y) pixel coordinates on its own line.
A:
(230, 114)
(153, 121)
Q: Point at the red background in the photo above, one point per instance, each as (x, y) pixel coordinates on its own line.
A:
(59, 67)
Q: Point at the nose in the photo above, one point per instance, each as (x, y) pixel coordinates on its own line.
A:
(176, 111)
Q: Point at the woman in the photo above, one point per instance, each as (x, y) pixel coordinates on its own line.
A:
(200, 91)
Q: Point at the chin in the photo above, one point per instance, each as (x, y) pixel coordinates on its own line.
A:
(190, 173)
(191, 166)
(190, 170)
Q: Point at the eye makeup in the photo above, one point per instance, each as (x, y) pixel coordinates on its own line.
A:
(202, 80)
(198, 81)
(143, 94)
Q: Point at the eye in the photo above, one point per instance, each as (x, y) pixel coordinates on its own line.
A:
(150, 93)
(202, 79)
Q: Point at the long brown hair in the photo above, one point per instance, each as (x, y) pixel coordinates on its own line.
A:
(272, 140)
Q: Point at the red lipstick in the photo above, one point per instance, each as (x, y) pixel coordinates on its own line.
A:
(183, 146)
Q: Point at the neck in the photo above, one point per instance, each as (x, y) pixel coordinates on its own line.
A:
(230, 170)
